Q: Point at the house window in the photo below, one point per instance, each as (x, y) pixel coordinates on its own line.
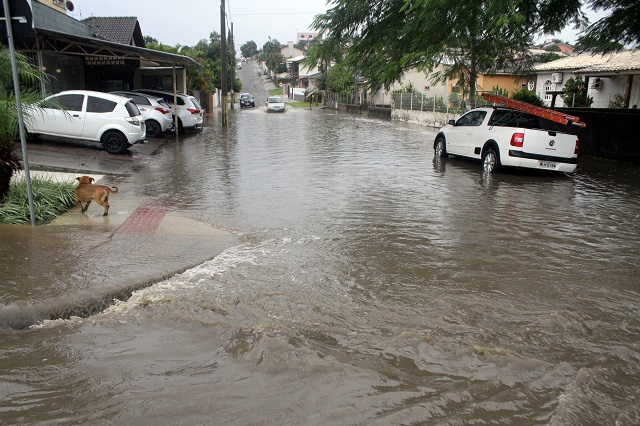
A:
(547, 88)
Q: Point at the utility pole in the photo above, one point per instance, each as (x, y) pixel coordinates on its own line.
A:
(223, 65)
(233, 69)
(16, 88)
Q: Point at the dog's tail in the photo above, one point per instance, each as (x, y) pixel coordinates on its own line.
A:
(114, 189)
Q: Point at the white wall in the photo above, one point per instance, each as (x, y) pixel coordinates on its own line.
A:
(609, 87)
(635, 92)
(541, 87)
(422, 83)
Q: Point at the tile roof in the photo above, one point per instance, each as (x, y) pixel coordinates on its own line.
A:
(623, 61)
(611, 62)
(572, 62)
(117, 29)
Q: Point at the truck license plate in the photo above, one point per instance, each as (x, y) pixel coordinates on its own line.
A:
(547, 164)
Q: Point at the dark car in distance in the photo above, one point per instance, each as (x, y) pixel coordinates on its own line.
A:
(246, 100)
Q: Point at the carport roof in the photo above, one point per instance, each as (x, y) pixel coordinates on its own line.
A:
(61, 33)
(70, 44)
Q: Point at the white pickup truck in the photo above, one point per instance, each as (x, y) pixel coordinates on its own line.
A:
(507, 137)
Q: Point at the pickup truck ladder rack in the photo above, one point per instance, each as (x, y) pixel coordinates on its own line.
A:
(547, 113)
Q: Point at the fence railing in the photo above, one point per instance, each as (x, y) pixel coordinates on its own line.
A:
(421, 102)
(405, 101)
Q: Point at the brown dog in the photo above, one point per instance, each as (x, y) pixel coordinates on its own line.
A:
(86, 191)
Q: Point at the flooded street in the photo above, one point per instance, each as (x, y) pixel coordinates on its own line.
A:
(371, 285)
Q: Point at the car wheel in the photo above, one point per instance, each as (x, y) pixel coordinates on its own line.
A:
(440, 148)
(114, 142)
(153, 128)
(490, 161)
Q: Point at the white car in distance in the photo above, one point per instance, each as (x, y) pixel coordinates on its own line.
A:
(112, 120)
(275, 104)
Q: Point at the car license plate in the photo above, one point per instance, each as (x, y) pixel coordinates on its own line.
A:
(547, 164)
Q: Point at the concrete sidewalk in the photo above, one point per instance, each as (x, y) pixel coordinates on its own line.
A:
(86, 261)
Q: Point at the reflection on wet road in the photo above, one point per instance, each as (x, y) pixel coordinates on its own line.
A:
(372, 284)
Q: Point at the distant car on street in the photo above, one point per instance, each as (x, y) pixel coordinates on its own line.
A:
(154, 110)
(246, 100)
(113, 120)
(275, 104)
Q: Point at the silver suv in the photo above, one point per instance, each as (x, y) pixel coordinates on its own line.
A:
(190, 113)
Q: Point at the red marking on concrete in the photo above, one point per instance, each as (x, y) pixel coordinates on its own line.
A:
(144, 220)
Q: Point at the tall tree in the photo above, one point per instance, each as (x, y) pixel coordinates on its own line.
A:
(614, 32)
(271, 54)
(207, 53)
(465, 37)
(249, 49)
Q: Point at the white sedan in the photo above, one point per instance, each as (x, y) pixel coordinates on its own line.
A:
(113, 120)
(275, 104)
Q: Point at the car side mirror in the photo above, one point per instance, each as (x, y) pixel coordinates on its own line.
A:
(452, 122)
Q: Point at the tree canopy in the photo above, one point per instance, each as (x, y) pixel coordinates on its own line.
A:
(249, 49)
(271, 54)
(458, 38)
(614, 32)
(207, 53)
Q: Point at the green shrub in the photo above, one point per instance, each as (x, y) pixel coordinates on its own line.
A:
(50, 199)
(529, 97)
(575, 93)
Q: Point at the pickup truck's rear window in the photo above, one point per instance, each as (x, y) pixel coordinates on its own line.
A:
(510, 118)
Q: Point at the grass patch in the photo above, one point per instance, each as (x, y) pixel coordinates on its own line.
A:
(276, 92)
(304, 104)
(50, 200)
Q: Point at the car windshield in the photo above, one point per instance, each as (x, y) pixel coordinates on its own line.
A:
(274, 100)
(196, 103)
(245, 96)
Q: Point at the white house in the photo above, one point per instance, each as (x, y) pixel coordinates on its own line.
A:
(420, 81)
(290, 51)
(303, 76)
(306, 36)
(606, 76)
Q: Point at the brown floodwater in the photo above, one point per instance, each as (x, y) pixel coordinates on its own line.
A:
(371, 284)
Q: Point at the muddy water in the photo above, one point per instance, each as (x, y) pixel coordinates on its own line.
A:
(373, 285)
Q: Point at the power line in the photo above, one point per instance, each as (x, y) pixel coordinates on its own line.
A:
(276, 13)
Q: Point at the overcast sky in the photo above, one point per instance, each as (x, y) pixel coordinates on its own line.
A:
(186, 22)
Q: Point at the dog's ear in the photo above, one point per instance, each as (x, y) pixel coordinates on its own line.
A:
(78, 179)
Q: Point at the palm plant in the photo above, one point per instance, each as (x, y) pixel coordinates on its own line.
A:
(30, 78)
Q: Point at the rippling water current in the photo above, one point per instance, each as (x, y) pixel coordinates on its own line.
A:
(373, 285)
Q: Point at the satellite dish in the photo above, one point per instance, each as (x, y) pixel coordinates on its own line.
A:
(69, 6)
